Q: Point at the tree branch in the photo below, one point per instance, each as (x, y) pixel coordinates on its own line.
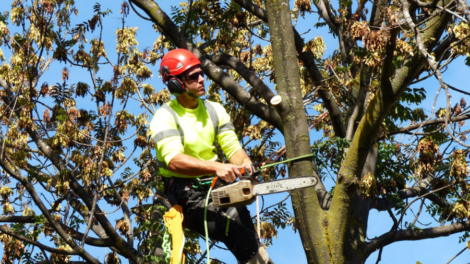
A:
(16, 219)
(60, 262)
(96, 228)
(402, 235)
(96, 242)
(307, 58)
(421, 190)
(427, 123)
(425, 4)
(30, 219)
(249, 76)
(33, 242)
(324, 10)
(214, 72)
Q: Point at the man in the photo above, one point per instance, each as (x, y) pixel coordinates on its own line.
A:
(184, 131)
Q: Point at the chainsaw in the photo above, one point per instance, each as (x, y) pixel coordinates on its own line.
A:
(244, 191)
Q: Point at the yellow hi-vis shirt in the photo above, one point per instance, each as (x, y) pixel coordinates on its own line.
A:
(198, 134)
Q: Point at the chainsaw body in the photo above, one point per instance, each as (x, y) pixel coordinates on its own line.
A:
(236, 194)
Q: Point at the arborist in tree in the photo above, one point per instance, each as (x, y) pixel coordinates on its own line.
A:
(185, 131)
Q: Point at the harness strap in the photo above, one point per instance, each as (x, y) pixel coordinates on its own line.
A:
(232, 212)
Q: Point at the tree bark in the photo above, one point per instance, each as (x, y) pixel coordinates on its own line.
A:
(308, 213)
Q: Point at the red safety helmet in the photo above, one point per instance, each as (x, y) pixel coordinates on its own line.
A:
(176, 62)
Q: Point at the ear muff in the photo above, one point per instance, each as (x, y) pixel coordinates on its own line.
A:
(176, 86)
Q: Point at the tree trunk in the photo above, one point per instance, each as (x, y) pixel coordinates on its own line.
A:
(308, 214)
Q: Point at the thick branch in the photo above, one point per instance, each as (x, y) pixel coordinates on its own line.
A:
(214, 72)
(418, 191)
(89, 240)
(352, 166)
(425, 4)
(402, 235)
(60, 262)
(246, 73)
(309, 63)
(324, 10)
(95, 227)
(16, 219)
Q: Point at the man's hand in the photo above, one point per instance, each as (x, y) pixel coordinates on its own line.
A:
(228, 172)
(240, 157)
(247, 164)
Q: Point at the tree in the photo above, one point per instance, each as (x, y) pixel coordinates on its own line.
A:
(362, 96)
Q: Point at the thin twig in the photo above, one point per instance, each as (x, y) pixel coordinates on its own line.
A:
(274, 204)
(457, 254)
(90, 220)
(189, 16)
(205, 252)
(132, 6)
(339, 80)
(453, 13)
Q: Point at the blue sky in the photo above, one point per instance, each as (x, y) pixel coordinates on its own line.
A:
(287, 248)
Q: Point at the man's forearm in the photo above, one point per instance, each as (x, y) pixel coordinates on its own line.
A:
(240, 158)
(190, 166)
(187, 165)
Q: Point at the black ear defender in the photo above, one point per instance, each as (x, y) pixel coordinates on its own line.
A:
(175, 85)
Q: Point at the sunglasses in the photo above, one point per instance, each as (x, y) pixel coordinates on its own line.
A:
(195, 76)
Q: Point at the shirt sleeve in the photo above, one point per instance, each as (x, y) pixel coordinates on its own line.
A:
(226, 137)
(166, 136)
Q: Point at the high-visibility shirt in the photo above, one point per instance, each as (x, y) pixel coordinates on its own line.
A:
(198, 130)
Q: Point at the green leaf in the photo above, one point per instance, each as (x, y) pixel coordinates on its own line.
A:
(40, 219)
(4, 17)
(320, 24)
(61, 115)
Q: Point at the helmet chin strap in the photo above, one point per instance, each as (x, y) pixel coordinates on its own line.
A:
(190, 94)
(186, 90)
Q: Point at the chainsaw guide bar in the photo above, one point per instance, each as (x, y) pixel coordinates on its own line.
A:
(244, 192)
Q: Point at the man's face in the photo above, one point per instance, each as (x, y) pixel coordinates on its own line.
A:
(194, 81)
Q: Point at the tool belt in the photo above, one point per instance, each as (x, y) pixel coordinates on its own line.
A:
(180, 190)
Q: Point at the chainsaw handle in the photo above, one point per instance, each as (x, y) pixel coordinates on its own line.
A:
(255, 171)
(214, 181)
(246, 175)
(217, 182)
